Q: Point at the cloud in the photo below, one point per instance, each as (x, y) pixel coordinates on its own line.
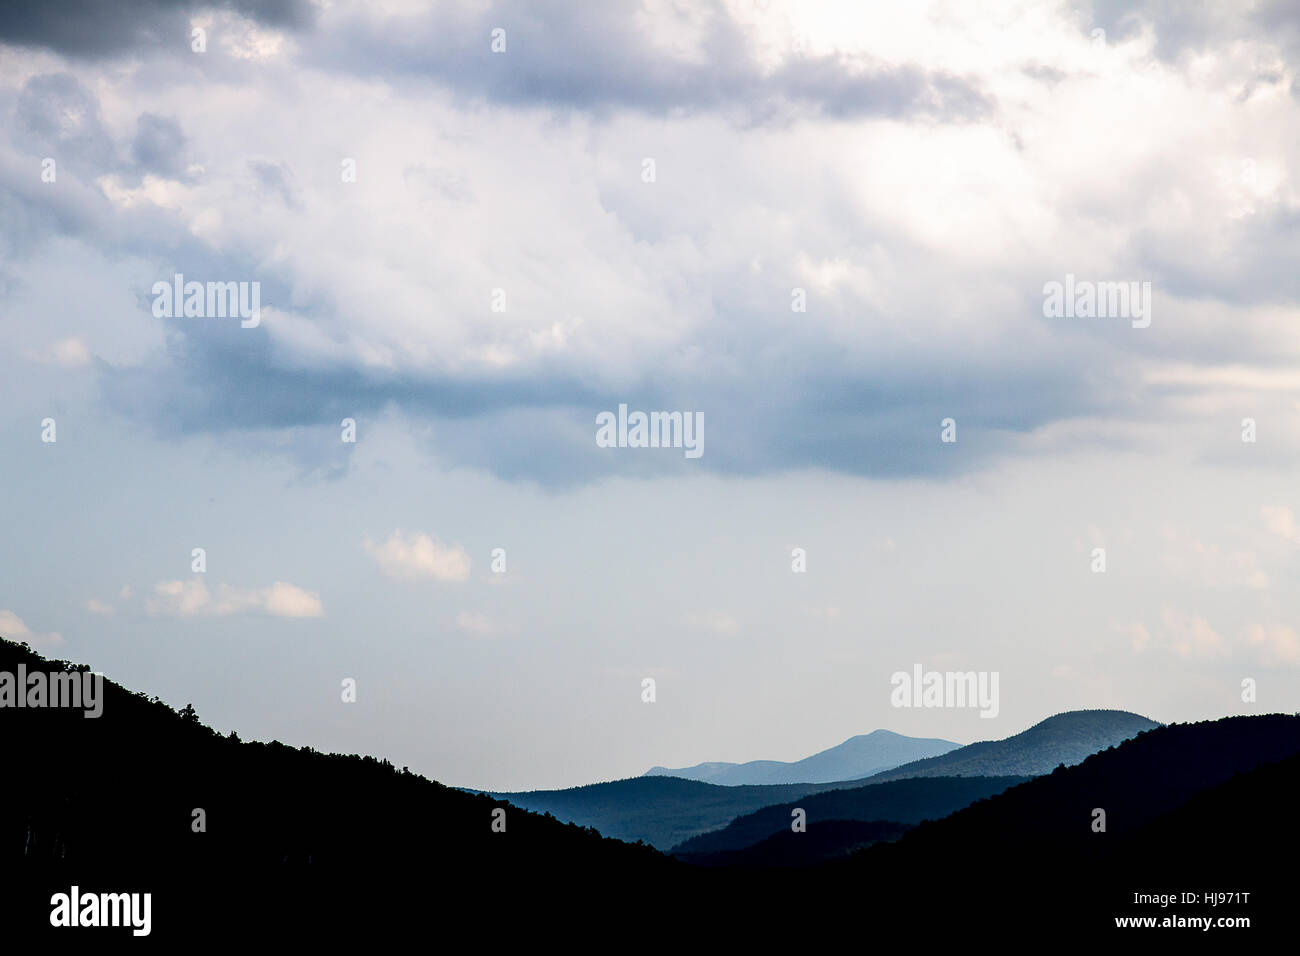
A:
(192, 599)
(61, 115)
(89, 28)
(1189, 637)
(69, 353)
(159, 146)
(674, 294)
(1182, 29)
(1280, 644)
(417, 555)
(571, 55)
(14, 628)
(276, 179)
(1280, 520)
(1183, 635)
(1192, 637)
(1138, 635)
(96, 606)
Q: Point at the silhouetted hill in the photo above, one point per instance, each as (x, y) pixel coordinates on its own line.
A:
(107, 803)
(305, 846)
(1258, 808)
(904, 801)
(665, 811)
(857, 757)
(661, 811)
(829, 840)
(1063, 739)
(1189, 807)
(1134, 783)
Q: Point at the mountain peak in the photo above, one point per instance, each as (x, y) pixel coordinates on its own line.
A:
(853, 759)
(1066, 738)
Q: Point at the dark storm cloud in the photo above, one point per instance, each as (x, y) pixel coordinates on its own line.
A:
(562, 54)
(93, 28)
(595, 57)
(814, 409)
(61, 115)
(1184, 28)
(1257, 265)
(275, 179)
(857, 410)
(56, 115)
(159, 146)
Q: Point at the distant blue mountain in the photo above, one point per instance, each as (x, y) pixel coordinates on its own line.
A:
(1067, 738)
(662, 811)
(857, 757)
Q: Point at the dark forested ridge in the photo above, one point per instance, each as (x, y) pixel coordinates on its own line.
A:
(1148, 776)
(822, 842)
(661, 811)
(1194, 808)
(301, 844)
(904, 801)
(108, 803)
(123, 786)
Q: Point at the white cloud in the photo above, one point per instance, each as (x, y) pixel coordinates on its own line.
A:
(96, 606)
(1280, 644)
(286, 600)
(1183, 635)
(192, 599)
(1138, 635)
(1280, 520)
(15, 629)
(610, 279)
(417, 555)
(1192, 637)
(69, 352)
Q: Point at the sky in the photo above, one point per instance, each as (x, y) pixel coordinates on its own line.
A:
(827, 230)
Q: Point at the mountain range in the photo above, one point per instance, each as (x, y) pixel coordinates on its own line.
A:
(1185, 809)
(857, 757)
(298, 844)
(1067, 738)
(666, 811)
(660, 811)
